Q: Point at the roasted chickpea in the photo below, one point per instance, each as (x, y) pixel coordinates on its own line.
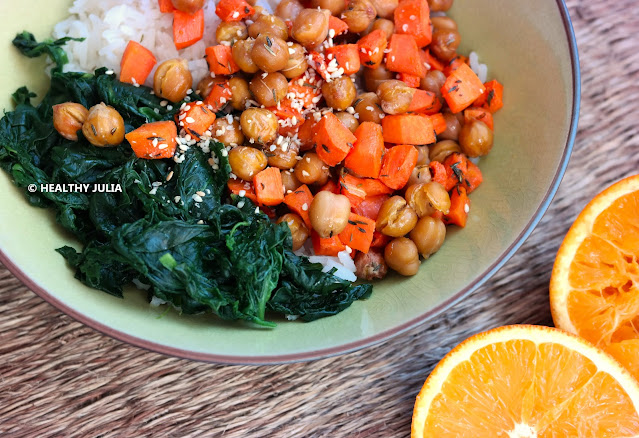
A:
(347, 120)
(428, 235)
(268, 25)
(329, 213)
(240, 93)
(289, 181)
(309, 170)
(396, 218)
(370, 265)
(402, 256)
(440, 5)
(433, 82)
(368, 108)
(442, 149)
(441, 23)
(288, 9)
(282, 156)
(259, 124)
(423, 157)
(385, 8)
(385, 26)
(296, 64)
(339, 93)
(325, 175)
(452, 127)
(188, 6)
(476, 138)
(335, 6)
(299, 232)
(241, 52)
(205, 86)
(246, 162)
(269, 88)
(427, 198)
(395, 96)
(103, 126)
(445, 43)
(359, 14)
(172, 80)
(270, 53)
(229, 134)
(230, 32)
(375, 76)
(259, 11)
(419, 175)
(311, 27)
(68, 119)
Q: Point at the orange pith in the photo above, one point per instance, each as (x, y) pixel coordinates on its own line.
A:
(594, 289)
(527, 382)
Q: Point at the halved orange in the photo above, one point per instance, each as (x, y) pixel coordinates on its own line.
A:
(594, 288)
(527, 382)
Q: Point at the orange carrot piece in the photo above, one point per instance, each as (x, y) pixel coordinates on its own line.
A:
(473, 177)
(365, 159)
(410, 80)
(234, 10)
(352, 187)
(329, 246)
(493, 98)
(268, 186)
(188, 29)
(305, 92)
(408, 129)
(374, 187)
(454, 64)
(319, 63)
(242, 188)
(438, 172)
(166, 6)
(154, 140)
(306, 134)
(423, 101)
(347, 57)
(459, 207)
(291, 118)
(220, 60)
(403, 55)
(478, 113)
(380, 240)
(456, 165)
(412, 17)
(299, 201)
(431, 63)
(370, 206)
(219, 95)
(358, 233)
(461, 88)
(371, 48)
(137, 63)
(197, 118)
(334, 140)
(439, 123)
(397, 165)
(330, 186)
(437, 215)
(434, 108)
(338, 26)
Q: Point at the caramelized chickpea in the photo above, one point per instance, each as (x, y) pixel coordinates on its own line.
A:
(385, 8)
(329, 213)
(325, 175)
(368, 108)
(440, 5)
(68, 119)
(282, 156)
(385, 26)
(240, 93)
(205, 86)
(246, 162)
(229, 134)
(269, 88)
(402, 256)
(452, 127)
(335, 6)
(441, 23)
(172, 80)
(289, 181)
(299, 232)
(296, 64)
(428, 235)
(396, 218)
(420, 175)
(230, 32)
(309, 170)
(268, 25)
(442, 149)
(347, 120)
(370, 265)
(423, 157)
(311, 27)
(288, 9)
(395, 96)
(270, 53)
(259, 124)
(188, 6)
(445, 43)
(259, 11)
(339, 93)
(427, 198)
(476, 138)
(433, 82)
(241, 52)
(374, 77)
(104, 126)
(359, 15)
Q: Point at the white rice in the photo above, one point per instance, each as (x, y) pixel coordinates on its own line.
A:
(480, 69)
(343, 263)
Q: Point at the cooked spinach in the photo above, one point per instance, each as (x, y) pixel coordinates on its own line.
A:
(215, 255)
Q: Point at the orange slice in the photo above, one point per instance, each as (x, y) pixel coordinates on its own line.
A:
(527, 382)
(594, 288)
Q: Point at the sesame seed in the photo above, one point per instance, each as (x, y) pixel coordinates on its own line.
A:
(404, 27)
(164, 103)
(305, 207)
(177, 199)
(109, 72)
(348, 249)
(163, 146)
(200, 222)
(466, 208)
(169, 176)
(240, 204)
(235, 14)
(412, 17)
(242, 193)
(305, 173)
(196, 197)
(190, 120)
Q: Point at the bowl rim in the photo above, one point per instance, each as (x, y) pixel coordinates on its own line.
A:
(371, 340)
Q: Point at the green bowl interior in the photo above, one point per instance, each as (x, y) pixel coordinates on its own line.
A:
(525, 47)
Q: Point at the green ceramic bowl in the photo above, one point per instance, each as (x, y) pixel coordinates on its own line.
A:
(528, 46)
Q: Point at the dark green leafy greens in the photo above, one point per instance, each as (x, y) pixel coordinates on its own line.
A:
(210, 256)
